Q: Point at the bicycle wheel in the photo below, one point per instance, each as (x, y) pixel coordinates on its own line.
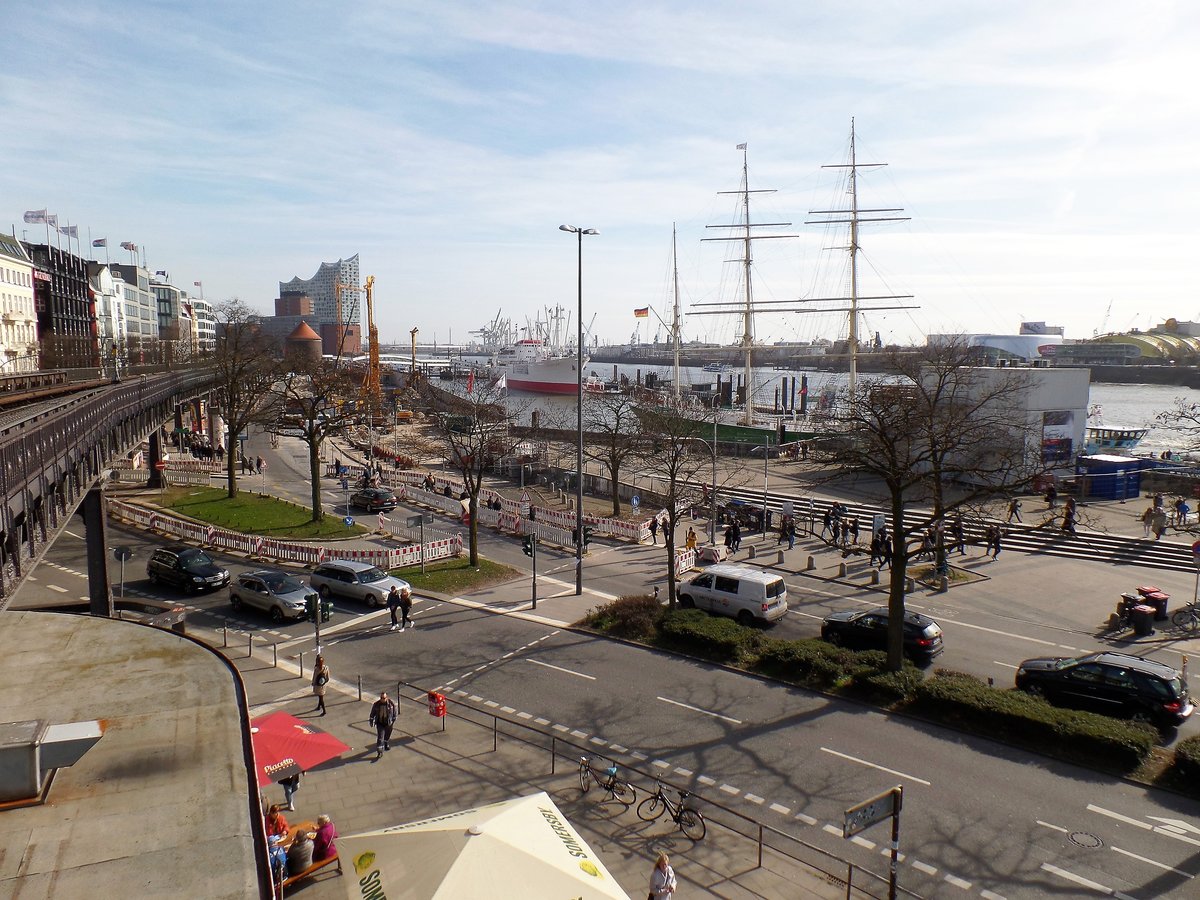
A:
(692, 824)
(651, 808)
(624, 792)
(585, 777)
(1186, 619)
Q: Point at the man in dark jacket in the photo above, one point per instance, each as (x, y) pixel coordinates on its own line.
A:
(393, 605)
(383, 718)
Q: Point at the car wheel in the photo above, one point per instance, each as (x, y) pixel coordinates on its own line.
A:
(745, 617)
(372, 601)
(276, 614)
(324, 591)
(686, 602)
(1142, 717)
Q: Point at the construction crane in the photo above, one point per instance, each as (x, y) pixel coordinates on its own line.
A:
(371, 385)
(343, 324)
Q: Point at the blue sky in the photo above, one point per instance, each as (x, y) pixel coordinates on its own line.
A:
(1045, 152)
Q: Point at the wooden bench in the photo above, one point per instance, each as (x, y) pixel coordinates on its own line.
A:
(312, 870)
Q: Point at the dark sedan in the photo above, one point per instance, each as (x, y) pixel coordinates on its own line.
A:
(868, 630)
(374, 500)
(1114, 684)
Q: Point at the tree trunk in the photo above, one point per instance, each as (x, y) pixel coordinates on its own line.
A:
(895, 647)
(614, 472)
(314, 471)
(473, 527)
(231, 464)
(672, 577)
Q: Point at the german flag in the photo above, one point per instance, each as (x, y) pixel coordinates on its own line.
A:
(643, 313)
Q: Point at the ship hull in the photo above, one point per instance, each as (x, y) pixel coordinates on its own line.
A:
(557, 375)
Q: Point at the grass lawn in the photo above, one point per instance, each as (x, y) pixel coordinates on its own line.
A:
(456, 576)
(254, 514)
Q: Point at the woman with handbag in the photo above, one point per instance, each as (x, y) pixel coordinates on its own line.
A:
(320, 678)
(662, 879)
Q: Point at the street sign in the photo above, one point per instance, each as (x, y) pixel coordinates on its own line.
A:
(635, 501)
(786, 508)
(414, 521)
(1196, 549)
(160, 465)
(122, 553)
(858, 818)
(348, 521)
(524, 496)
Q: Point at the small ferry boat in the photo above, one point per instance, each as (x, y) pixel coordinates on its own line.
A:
(1115, 439)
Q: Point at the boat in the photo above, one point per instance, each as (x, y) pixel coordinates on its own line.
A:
(716, 367)
(539, 363)
(594, 384)
(1116, 440)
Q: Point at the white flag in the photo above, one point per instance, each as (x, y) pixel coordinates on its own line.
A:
(35, 217)
(741, 146)
(502, 382)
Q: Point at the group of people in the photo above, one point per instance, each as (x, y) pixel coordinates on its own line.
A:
(400, 601)
(881, 548)
(1156, 520)
(291, 855)
(733, 537)
(252, 466)
(787, 532)
(199, 446)
(841, 527)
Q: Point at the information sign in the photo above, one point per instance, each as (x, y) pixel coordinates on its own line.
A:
(867, 813)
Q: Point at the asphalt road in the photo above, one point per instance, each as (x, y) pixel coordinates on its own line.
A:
(979, 820)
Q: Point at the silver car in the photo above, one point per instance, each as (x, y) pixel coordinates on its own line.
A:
(278, 593)
(355, 581)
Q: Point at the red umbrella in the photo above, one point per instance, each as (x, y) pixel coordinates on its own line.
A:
(285, 745)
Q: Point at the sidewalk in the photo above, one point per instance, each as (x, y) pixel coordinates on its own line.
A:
(430, 771)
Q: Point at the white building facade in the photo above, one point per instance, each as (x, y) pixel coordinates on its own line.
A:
(206, 324)
(18, 314)
(110, 312)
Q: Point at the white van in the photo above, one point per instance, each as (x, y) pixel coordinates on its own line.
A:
(728, 589)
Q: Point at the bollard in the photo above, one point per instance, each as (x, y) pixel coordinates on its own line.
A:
(301, 664)
(812, 564)
(274, 656)
(909, 585)
(945, 584)
(753, 552)
(874, 576)
(779, 562)
(249, 645)
(360, 687)
(841, 570)
(225, 635)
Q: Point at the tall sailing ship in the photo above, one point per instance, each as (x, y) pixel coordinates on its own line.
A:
(540, 362)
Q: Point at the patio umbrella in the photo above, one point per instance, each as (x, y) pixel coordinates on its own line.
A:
(285, 745)
(521, 848)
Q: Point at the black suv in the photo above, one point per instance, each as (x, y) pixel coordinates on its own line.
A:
(374, 500)
(1114, 684)
(868, 630)
(186, 568)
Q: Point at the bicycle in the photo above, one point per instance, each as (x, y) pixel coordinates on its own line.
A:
(621, 791)
(690, 821)
(1187, 618)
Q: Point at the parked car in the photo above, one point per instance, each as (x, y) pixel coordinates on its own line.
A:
(868, 630)
(1115, 684)
(186, 568)
(374, 500)
(278, 593)
(743, 592)
(355, 581)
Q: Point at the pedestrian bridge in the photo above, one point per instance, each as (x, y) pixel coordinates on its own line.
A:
(53, 457)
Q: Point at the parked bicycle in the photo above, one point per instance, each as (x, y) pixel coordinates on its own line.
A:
(1187, 618)
(690, 821)
(616, 789)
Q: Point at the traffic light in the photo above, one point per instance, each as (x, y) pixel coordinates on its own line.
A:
(326, 609)
(587, 535)
(527, 545)
(311, 608)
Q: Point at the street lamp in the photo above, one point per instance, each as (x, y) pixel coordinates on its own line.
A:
(579, 414)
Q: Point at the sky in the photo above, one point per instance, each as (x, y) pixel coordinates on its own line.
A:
(1044, 154)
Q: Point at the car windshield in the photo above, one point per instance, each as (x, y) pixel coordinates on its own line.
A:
(372, 574)
(194, 561)
(776, 588)
(282, 584)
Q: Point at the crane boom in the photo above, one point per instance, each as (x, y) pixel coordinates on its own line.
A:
(371, 383)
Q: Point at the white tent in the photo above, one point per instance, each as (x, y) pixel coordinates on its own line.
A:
(522, 848)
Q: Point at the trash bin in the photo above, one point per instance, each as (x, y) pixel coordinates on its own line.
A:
(1143, 620)
(1158, 600)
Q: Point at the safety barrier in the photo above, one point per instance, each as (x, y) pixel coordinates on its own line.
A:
(273, 548)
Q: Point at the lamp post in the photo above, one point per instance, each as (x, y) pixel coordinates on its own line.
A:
(580, 232)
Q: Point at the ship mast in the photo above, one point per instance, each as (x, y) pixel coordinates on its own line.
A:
(675, 319)
(746, 236)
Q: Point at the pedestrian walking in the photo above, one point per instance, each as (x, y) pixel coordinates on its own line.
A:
(1068, 523)
(995, 541)
(885, 558)
(827, 523)
(662, 879)
(837, 532)
(290, 785)
(258, 465)
(854, 531)
(320, 678)
(876, 549)
(1147, 520)
(383, 719)
(654, 529)
(737, 537)
(791, 534)
(1159, 524)
(729, 538)
(405, 609)
(690, 540)
(1051, 496)
(1014, 509)
(1175, 510)
(1184, 511)
(393, 605)
(959, 534)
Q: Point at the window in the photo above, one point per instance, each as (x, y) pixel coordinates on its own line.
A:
(726, 584)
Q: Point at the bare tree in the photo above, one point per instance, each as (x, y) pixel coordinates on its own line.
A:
(473, 430)
(244, 372)
(943, 421)
(614, 430)
(321, 396)
(675, 451)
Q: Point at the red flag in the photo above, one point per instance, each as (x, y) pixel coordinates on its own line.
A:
(470, 382)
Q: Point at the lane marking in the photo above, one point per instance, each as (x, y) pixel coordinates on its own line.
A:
(806, 818)
(874, 766)
(599, 741)
(542, 721)
(507, 709)
(1019, 637)
(1171, 832)
(1077, 879)
(781, 809)
(837, 832)
(538, 662)
(862, 842)
(55, 587)
(1054, 827)
(582, 735)
(958, 882)
(754, 798)
(524, 715)
(686, 773)
(699, 710)
(924, 867)
(617, 748)
(996, 662)
(705, 780)
(991, 895)
(730, 789)
(562, 728)
(571, 585)
(1152, 862)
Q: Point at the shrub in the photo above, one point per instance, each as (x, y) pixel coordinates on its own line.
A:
(712, 637)
(1187, 758)
(888, 687)
(634, 617)
(1008, 714)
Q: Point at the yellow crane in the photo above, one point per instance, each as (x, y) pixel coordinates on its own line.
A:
(371, 385)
